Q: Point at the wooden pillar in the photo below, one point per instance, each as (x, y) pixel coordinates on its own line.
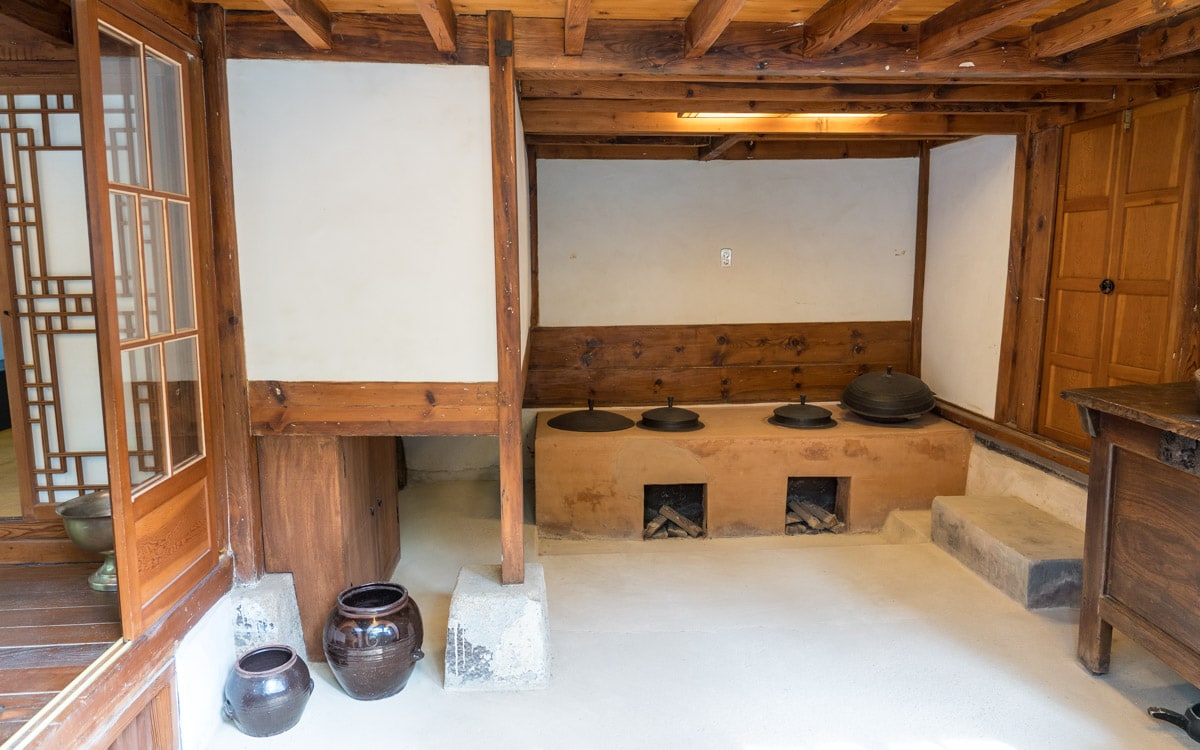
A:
(502, 79)
(919, 246)
(1034, 209)
(241, 459)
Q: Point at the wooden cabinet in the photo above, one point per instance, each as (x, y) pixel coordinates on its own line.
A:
(1142, 541)
(1117, 294)
(330, 517)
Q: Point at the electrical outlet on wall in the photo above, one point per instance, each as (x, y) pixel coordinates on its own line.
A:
(726, 257)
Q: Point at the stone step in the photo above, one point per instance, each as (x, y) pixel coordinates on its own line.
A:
(1024, 551)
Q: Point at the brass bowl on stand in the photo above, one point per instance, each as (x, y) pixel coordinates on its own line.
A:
(88, 520)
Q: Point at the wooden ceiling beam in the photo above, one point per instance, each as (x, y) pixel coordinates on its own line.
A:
(1098, 20)
(651, 50)
(1179, 38)
(535, 88)
(745, 150)
(706, 22)
(766, 108)
(439, 18)
(693, 141)
(643, 123)
(575, 20)
(308, 18)
(968, 20)
(838, 20)
(49, 19)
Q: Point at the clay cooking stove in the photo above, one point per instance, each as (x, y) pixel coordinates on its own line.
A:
(742, 474)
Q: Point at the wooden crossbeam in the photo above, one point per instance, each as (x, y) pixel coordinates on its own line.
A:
(758, 150)
(691, 91)
(706, 22)
(575, 20)
(1177, 39)
(652, 50)
(634, 123)
(439, 17)
(308, 18)
(50, 20)
(719, 146)
(968, 20)
(1097, 20)
(765, 108)
(838, 20)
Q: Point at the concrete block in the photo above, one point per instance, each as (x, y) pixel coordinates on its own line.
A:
(266, 613)
(498, 637)
(1025, 552)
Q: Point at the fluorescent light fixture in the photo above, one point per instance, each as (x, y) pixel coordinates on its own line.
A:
(777, 116)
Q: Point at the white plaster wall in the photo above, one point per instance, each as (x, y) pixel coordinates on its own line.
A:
(638, 242)
(523, 205)
(966, 269)
(203, 659)
(364, 213)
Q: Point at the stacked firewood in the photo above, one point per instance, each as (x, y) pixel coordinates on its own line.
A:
(671, 523)
(804, 517)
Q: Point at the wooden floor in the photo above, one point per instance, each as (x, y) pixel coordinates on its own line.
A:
(52, 625)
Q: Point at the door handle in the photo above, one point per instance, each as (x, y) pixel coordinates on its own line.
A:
(1107, 286)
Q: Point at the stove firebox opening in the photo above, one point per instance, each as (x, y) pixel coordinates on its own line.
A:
(812, 505)
(675, 510)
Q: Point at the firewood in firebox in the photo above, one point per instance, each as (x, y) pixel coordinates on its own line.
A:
(826, 519)
(692, 529)
(809, 519)
(655, 525)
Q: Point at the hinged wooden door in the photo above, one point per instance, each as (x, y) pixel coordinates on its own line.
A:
(155, 356)
(1113, 315)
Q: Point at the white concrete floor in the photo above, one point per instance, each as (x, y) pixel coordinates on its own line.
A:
(784, 643)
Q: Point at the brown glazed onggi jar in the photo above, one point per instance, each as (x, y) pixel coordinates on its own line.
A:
(372, 640)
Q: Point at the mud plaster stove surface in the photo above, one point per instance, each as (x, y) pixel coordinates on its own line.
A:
(592, 485)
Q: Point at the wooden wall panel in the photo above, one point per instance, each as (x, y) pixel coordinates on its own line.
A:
(708, 364)
(371, 408)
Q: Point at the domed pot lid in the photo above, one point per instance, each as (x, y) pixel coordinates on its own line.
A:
(590, 420)
(803, 416)
(670, 418)
(888, 396)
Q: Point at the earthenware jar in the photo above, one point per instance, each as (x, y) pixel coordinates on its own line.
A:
(267, 690)
(373, 640)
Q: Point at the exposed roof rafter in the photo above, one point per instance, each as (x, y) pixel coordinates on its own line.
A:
(1097, 20)
(308, 18)
(968, 20)
(838, 20)
(575, 20)
(439, 18)
(706, 22)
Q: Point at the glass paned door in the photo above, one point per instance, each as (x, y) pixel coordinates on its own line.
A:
(156, 362)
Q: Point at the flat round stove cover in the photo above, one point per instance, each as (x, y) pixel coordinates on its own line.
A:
(590, 420)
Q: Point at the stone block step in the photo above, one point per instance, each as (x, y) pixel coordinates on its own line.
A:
(1024, 551)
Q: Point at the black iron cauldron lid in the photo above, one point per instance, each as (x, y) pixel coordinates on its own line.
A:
(670, 418)
(590, 420)
(888, 396)
(803, 416)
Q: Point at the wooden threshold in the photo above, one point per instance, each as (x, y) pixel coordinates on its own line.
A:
(1046, 453)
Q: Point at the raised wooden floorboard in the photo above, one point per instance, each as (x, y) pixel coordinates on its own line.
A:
(52, 626)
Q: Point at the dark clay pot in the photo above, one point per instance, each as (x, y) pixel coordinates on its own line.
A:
(373, 640)
(267, 690)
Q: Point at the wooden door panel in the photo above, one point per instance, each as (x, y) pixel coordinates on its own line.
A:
(1076, 315)
(1148, 242)
(1140, 333)
(1061, 418)
(1090, 159)
(1083, 234)
(175, 541)
(1157, 144)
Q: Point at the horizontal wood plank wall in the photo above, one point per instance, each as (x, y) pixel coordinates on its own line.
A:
(371, 408)
(708, 364)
